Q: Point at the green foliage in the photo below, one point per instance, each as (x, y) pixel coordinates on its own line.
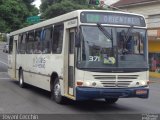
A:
(3, 38)
(13, 14)
(45, 4)
(97, 2)
(53, 8)
(94, 2)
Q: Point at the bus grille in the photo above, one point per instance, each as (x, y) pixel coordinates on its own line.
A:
(116, 80)
(115, 83)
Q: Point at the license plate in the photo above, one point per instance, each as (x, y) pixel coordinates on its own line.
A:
(140, 92)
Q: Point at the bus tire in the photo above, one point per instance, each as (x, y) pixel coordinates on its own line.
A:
(21, 79)
(56, 93)
(111, 100)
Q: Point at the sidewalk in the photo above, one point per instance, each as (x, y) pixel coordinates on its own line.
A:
(154, 80)
(2, 45)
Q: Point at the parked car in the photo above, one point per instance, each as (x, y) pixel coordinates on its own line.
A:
(6, 48)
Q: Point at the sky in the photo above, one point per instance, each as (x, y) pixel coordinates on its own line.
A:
(108, 2)
(37, 3)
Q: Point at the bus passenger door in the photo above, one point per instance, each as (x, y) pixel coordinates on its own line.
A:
(71, 66)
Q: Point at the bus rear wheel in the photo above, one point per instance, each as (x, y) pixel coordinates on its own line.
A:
(111, 100)
(21, 79)
(56, 93)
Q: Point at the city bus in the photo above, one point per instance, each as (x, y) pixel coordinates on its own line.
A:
(83, 55)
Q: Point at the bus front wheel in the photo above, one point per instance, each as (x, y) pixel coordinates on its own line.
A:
(56, 93)
(21, 79)
(111, 100)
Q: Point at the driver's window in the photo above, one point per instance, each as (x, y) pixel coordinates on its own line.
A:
(130, 44)
(138, 43)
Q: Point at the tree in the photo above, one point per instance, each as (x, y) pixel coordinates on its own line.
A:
(13, 14)
(45, 4)
(53, 8)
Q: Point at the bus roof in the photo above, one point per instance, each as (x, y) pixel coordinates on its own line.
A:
(61, 18)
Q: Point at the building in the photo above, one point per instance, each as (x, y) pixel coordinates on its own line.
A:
(151, 10)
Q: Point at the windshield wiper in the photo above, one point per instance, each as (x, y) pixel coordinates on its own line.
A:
(126, 38)
(104, 31)
(128, 33)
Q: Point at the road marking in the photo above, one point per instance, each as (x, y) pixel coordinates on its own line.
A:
(4, 78)
(4, 63)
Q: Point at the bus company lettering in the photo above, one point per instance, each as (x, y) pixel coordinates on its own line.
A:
(72, 22)
(39, 62)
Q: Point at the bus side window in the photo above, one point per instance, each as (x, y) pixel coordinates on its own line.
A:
(22, 43)
(46, 42)
(57, 39)
(30, 42)
(37, 42)
(19, 43)
(11, 45)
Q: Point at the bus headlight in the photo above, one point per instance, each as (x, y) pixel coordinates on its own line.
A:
(138, 83)
(94, 84)
(143, 83)
(87, 83)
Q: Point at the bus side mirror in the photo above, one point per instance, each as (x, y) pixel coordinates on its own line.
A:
(77, 40)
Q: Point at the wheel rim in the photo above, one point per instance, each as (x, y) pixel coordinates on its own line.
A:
(57, 90)
(21, 81)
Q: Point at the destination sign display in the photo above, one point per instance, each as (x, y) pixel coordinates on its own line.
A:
(112, 18)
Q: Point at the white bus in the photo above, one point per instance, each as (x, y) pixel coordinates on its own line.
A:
(84, 54)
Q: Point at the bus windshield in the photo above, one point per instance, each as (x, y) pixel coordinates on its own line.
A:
(122, 48)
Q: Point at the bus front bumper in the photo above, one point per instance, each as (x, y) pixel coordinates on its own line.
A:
(85, 93)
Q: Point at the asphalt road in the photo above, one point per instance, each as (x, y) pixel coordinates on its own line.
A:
(14, 99)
